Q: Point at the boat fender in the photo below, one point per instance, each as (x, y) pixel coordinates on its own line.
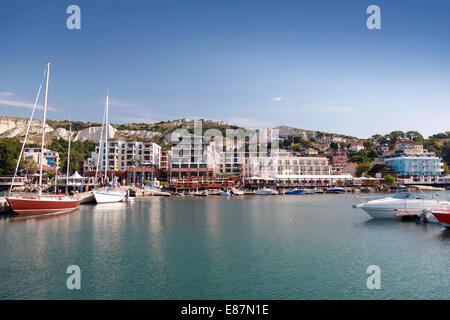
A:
(425, 214)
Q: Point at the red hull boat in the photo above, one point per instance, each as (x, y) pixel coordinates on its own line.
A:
(35, 205)
(443, 216)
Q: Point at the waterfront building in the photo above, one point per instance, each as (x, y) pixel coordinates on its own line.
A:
(339, 160)
(231, 162)
(50, 158)
(165, 164)
(285, 165)
(124, 154)
(339, 157)
(192, 156)
(414, 162)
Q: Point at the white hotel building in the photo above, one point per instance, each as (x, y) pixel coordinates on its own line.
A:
(193, 157)
(124, 154)
(285, 165)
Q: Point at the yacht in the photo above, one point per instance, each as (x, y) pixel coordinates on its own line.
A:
(236, 192)
(297, 191)
(442, 216)
(335, 190)
(225, 193)
(40, 203)
(401, 204)
(265, 192)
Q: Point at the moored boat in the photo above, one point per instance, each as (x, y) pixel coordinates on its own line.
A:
(225, 193)
(297, 192)
(265, 192)
(111, 192)
(442, 216)
(236, 192)
(40, 204)
(400, 205)
(34, 205)
(109, 195)
(199, 193)
(335, 190)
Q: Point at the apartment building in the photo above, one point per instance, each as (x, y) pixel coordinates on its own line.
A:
(414, 162)
(50, 158)
(192, 156)
(124, 154)
(285, 165)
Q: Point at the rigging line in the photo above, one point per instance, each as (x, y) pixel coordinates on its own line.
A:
(100, 147)
(28, 129)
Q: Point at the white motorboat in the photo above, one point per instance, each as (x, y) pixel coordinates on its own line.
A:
(225, 193)
(236, 192)
(200, 193)
(265, 192)
(401, 204)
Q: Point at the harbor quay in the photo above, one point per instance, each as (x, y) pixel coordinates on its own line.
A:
(246, 160)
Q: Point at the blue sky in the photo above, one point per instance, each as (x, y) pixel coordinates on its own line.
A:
(307, 64)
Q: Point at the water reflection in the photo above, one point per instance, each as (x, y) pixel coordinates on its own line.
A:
(14, 217)
(444, 235)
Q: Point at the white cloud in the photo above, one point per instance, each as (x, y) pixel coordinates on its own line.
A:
(119, 103)
(6, 94)
(277, 99)
(247, 123)
(22, 104)
(335, 109)
(331, 108)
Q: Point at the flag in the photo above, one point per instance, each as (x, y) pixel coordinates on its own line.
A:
(115, 168)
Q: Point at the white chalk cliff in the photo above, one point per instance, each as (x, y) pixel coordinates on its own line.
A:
(16, 127)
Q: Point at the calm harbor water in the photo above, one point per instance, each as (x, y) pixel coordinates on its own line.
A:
(252, 247)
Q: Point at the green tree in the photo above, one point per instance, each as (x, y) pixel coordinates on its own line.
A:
(29, 165)
(416, 136)
(368, 145)
(334, 146)
(362, 169)
(433, 145)
(446, 152)
(79, 152)
(389, 179)
(378, 168)
(9, 153)
(446, 168)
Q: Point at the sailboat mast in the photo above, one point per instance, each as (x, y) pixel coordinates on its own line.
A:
(68, 159)
(43, 129)
(106, 133)
(100, 149)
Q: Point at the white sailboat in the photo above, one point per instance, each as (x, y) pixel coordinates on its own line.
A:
(110, 192)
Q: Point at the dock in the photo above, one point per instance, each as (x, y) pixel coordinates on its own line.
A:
(4, 206)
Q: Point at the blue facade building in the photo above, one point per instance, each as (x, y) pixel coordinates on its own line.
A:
(414, 163)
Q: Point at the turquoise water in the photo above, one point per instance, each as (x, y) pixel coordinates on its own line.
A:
(266, 247)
